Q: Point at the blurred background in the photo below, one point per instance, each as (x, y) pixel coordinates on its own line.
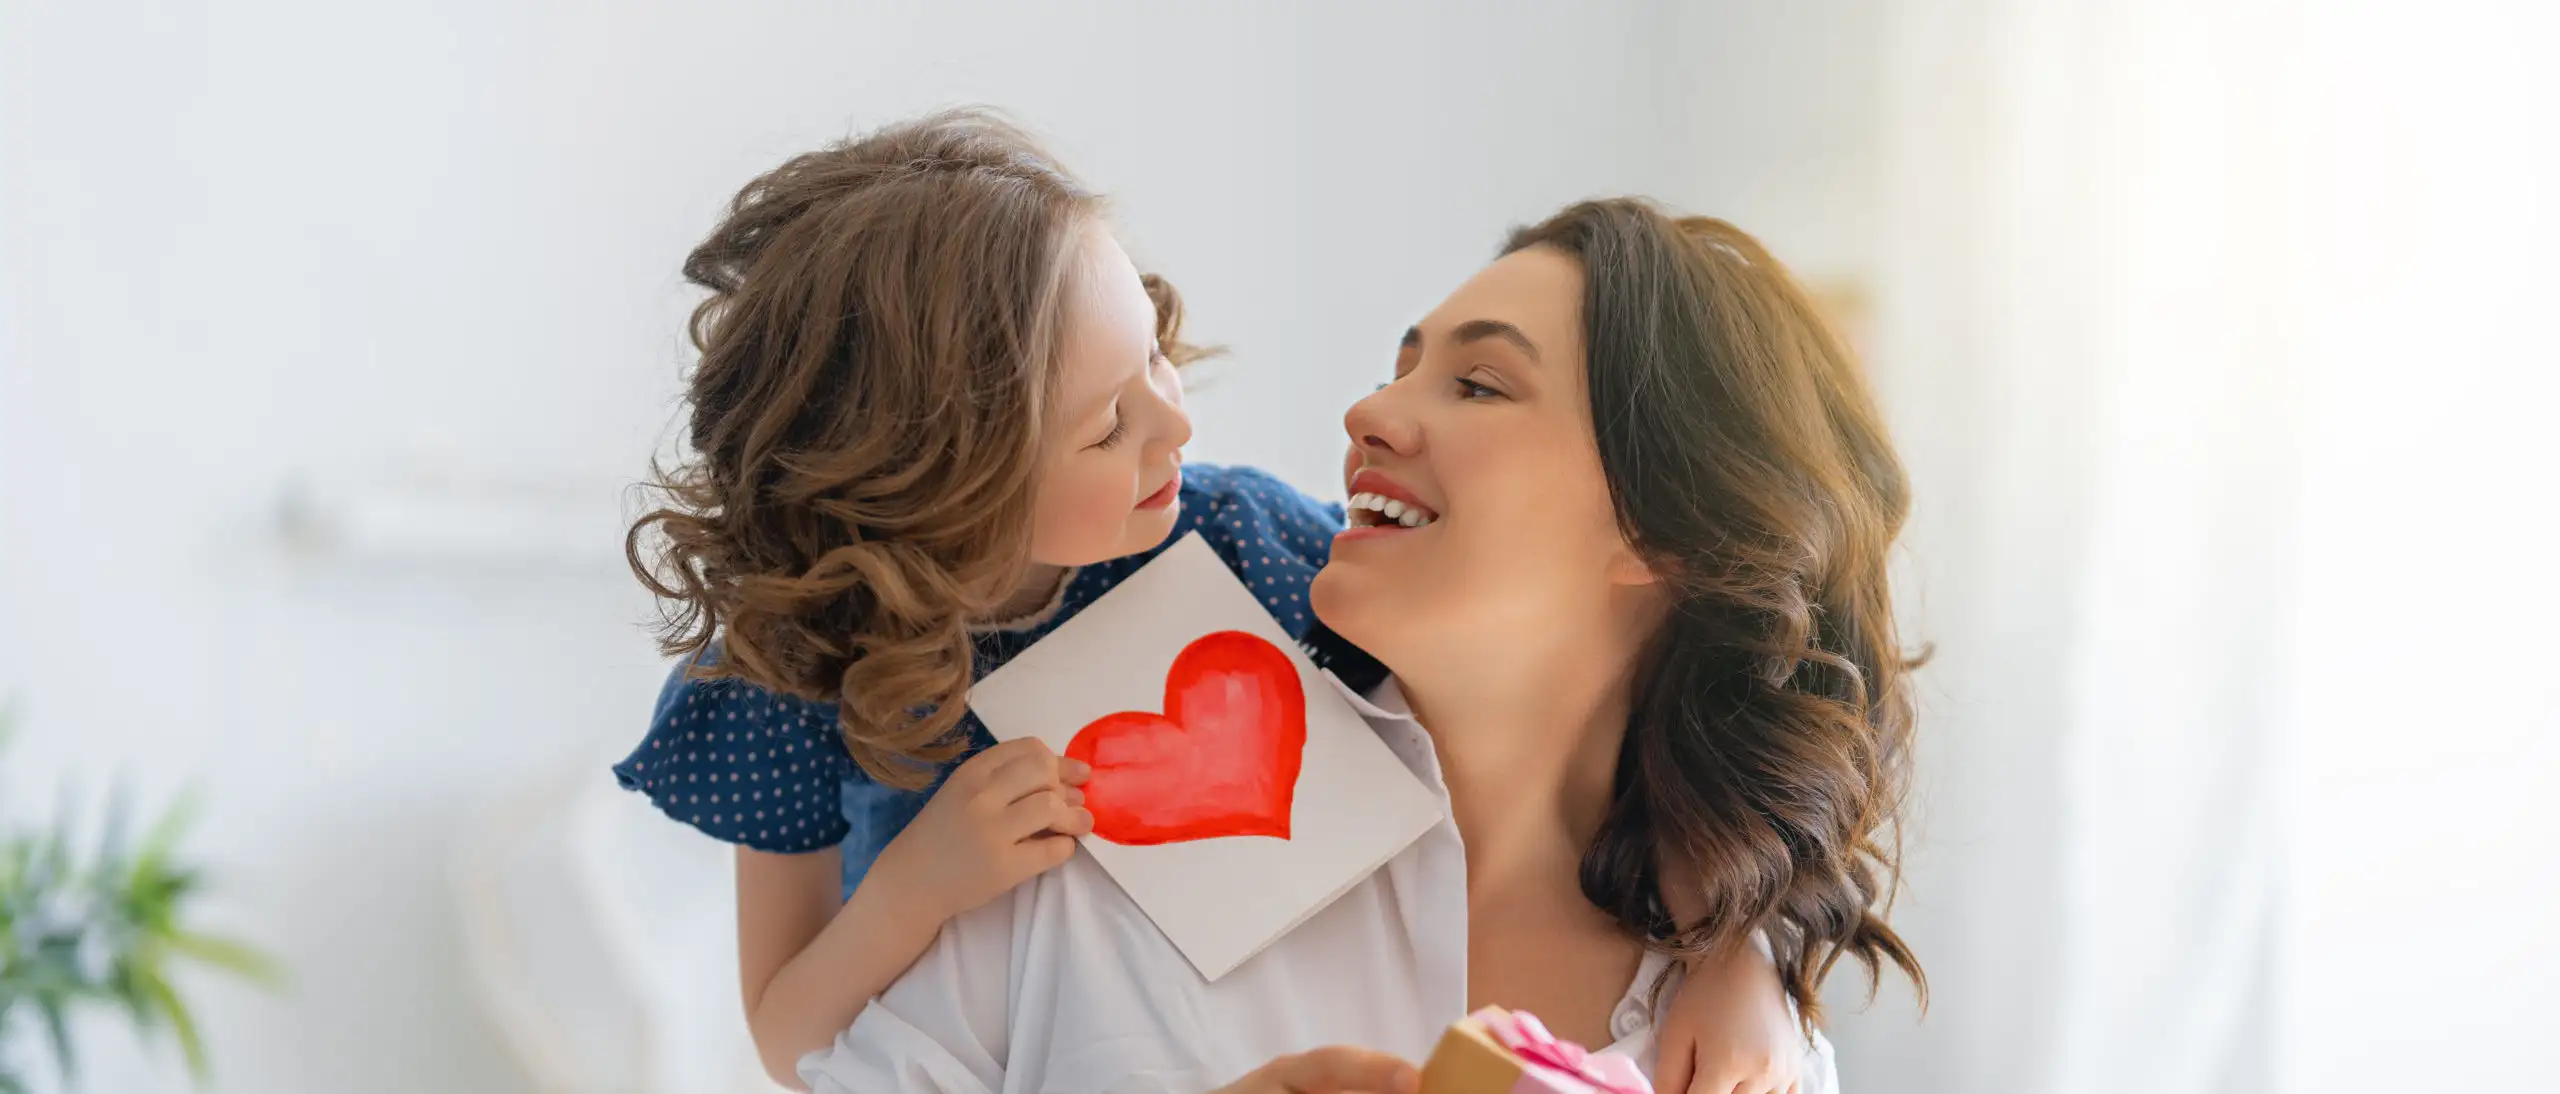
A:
(2218, 335)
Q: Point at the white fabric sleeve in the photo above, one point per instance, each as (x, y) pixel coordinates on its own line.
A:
(943, 1027)
(1820, 1073)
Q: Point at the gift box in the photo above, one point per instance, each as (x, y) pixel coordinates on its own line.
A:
(1497, 1051)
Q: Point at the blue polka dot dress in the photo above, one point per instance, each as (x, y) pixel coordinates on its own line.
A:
(747, 766)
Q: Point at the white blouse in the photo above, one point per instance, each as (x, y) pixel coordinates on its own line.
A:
(1065, 986)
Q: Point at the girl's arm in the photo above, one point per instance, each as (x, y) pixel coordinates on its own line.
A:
(1729, 1026)
(808, 964)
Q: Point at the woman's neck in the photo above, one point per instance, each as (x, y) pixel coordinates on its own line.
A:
(1530, 753)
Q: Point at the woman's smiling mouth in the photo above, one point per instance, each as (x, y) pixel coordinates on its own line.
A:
(1382, 506)
(1379, 510)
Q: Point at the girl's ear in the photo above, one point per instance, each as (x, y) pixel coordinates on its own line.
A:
(1168, 302)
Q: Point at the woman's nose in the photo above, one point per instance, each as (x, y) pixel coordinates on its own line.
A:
(1377, 424)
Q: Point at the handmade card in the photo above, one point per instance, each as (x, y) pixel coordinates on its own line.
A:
(1234, 793)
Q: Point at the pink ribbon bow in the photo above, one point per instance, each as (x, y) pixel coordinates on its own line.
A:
(1527, 1038)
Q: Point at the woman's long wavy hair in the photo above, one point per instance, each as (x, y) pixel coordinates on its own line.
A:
(1762, 778)
(865, 424)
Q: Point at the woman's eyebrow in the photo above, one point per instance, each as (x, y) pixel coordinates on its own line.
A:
(1477, 330)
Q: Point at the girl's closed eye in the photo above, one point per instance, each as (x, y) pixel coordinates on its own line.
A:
(1119, 429)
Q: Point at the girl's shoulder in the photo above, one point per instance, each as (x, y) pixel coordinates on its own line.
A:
(742, 764)
(1251, 510)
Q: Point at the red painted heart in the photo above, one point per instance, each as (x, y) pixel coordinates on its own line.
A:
(1222, 760)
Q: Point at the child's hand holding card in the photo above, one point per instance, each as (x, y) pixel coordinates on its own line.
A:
(1234, 791)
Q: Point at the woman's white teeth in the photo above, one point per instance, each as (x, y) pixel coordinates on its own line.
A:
(1390, 511)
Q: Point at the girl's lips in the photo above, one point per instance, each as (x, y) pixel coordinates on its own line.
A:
(1165, 495)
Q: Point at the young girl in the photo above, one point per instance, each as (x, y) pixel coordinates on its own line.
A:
(936, 413)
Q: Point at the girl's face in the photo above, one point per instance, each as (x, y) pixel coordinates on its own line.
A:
(1111, 470)
(1479, 507)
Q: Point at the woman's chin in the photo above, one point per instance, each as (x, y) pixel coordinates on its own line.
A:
(1347, 601)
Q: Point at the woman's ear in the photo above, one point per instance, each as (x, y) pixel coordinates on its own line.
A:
(1627, 567)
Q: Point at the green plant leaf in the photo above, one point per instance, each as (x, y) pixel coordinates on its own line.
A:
(152, 858)
(181, 1023)
(102, 927)
(236, 958)
(50, 1008)
(48, 862)
(111, 832)
(127, 988)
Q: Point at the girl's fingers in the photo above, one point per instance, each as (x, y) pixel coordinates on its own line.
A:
(1029, 772)
(1048, 811)
(1042, 852)
(991, 761)
(1073, 818)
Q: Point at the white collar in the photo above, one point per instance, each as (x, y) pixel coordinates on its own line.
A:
(1386, 702)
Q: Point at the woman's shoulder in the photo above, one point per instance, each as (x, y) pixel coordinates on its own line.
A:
(740, 763)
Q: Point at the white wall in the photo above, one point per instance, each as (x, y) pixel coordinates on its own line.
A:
(1773, 117)
(401, 252)
(2417, 946)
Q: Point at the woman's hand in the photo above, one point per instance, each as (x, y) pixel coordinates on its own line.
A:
(1003, 817)
(1335, 1069)
(1729, 1030)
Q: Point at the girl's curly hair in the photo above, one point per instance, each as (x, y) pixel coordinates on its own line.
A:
(865, 424)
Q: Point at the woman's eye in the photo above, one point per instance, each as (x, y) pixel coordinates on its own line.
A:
(1469, 389)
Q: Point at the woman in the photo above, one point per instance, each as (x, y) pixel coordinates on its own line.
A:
(1641, 641)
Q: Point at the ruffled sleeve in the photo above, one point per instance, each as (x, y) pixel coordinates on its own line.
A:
(743, 765)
